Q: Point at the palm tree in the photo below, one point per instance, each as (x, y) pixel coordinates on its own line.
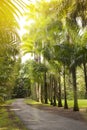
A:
(9, 41)
(82, 60)
(60, 28)
(61, 54)
(9, 8)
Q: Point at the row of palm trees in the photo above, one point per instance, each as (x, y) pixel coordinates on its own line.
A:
(58, 43)
(62, 64)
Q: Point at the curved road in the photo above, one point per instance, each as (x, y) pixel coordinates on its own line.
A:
(36, 119)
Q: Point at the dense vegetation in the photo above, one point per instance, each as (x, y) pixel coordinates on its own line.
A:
(57, 42)
(9, 46)
(8, 119)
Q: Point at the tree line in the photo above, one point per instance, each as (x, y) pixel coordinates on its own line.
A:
(57, 40)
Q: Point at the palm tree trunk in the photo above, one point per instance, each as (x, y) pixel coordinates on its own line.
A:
(37, 91)
(85, 77)
(75, 108)
(54, 97)
(42, 93)
(59, 91)
(65, 95)
(45, 89)
(51, 90)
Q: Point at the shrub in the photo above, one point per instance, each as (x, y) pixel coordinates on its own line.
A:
(1, 100)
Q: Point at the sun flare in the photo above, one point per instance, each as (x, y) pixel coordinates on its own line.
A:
(22, 20)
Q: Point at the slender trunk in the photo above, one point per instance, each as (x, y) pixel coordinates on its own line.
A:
(45, 89)
(39, 89)
(50, 93)
(59, 92)
(85, 77)
(42, 93)
(37, 92)
(76, 108)
(65, 95)
(54, 97)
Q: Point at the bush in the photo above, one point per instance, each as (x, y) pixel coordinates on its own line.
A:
(1, 100)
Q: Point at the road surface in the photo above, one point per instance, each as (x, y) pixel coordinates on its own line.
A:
(36, 119)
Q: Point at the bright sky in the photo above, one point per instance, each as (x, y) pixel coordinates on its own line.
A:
(22, 22)
(26, 57)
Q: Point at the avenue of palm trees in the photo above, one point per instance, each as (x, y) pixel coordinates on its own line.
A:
(56, 38)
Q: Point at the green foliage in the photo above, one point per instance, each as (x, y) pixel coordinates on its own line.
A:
(1, 100)
(34, 70)
(9, 44)
(21, 88)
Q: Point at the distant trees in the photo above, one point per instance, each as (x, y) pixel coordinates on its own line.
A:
(22, 88)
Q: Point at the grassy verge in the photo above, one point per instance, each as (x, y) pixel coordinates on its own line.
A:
(33, 102)
(8, 119)
(82, 103)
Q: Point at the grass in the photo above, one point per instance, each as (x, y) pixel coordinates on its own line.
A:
(8, 119)
(82, 103)
(33, 102)
(8, 102)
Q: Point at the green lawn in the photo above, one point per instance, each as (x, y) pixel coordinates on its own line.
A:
(8, 119)
(82, 103)
(30, 101)
(33, 102)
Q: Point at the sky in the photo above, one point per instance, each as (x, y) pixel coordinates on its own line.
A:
(26, 57)
(22, 21)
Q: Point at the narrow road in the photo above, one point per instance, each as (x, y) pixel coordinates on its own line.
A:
(36, 119)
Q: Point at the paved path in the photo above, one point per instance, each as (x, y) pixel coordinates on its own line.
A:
(36, 119)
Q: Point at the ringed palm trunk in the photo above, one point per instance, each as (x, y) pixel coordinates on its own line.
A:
(51, 90)
(75, 108)
(85, 77)
(59, 91)
(54, 97)
(45, 89)
(65, 94)
(37, 92)
(42, 93)
(39, 89)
